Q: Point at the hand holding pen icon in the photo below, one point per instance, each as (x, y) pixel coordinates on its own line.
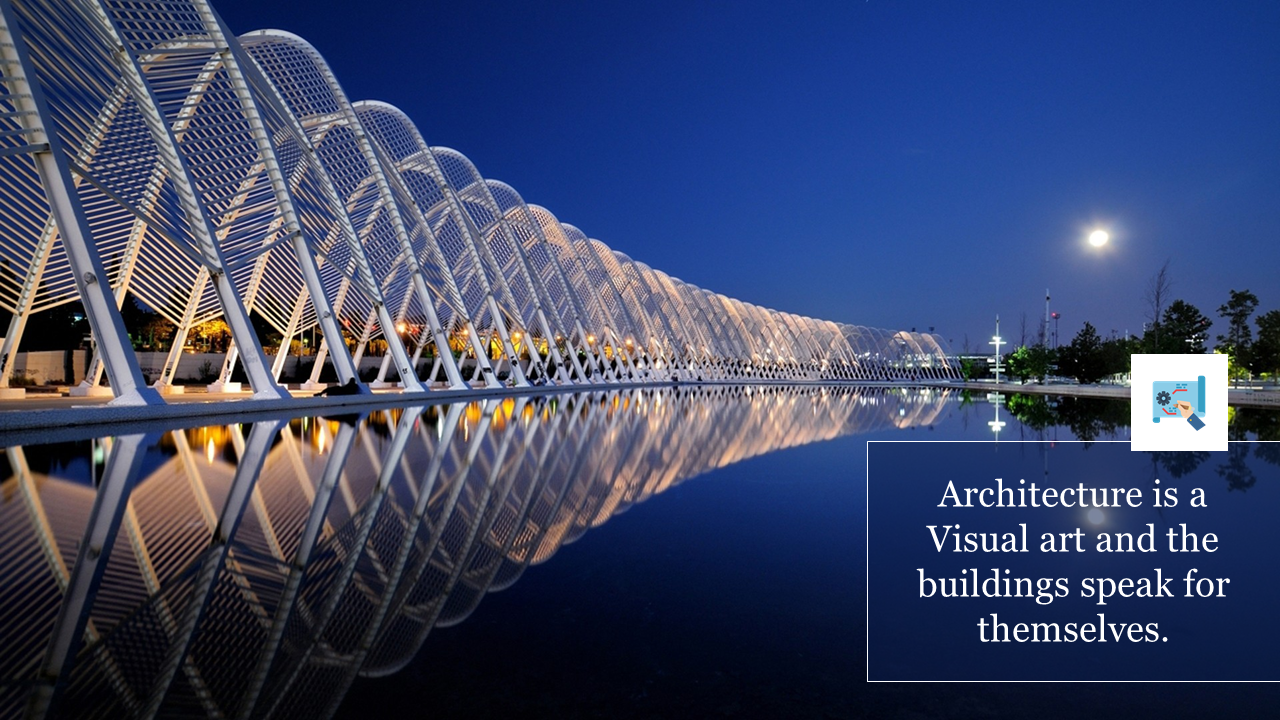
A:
(1188, 412)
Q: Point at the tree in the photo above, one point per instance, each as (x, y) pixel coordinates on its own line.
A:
(1117, 355)
(1239, 338)
(1183, 331)
(1266, 349)
(1016, 364)
(1156, 295)
(147, 328)
(1084, 359)
(972, 369)
(214, 335)
(61, 327)
(1030, 362)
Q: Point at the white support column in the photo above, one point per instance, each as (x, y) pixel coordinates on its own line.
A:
(368, 283)
(40, 254)
(292, 225)
(295, 317)
(481, 256)
(162, 134)
(381, 380)
(93, 375)
(73, 226)
(553, 352)
(444, 354)
(501, 327)
(322, 352)
(484, 368)
(572, 354)
(363, 342)
(408, 377)
(165, 382)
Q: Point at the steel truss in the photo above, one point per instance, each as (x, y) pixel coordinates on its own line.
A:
(146, 153)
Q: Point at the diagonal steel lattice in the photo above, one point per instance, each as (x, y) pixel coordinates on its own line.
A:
(146, 152)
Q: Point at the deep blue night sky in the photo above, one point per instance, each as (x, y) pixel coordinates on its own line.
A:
(900, 164)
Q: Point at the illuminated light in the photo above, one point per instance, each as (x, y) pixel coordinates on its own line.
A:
(1098, 238)
(210, 452)
(1096, 516)
(516, 336)
(591, 339)
(401, 327)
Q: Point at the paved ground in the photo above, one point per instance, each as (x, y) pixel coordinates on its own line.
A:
(47, 413)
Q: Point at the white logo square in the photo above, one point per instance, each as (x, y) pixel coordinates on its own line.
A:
(1179, 402)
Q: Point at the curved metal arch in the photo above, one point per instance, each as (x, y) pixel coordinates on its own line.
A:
(608, 278)
(344, 251)
(544, 268)
(594, 285)
(657, 339)
(357, 170)
(255, 177)
(398, 142)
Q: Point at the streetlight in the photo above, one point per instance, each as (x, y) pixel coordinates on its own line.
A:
(995, 340)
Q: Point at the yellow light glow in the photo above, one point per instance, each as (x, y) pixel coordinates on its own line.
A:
(401, 327)
(1098, 238)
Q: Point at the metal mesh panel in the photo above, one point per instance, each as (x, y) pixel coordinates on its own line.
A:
(194, 155)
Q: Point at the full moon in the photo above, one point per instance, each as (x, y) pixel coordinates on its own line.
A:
(1098, 238)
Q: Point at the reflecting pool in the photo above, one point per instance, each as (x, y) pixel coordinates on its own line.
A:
(531, 557)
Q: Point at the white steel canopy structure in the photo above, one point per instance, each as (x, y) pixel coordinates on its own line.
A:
(145, 152)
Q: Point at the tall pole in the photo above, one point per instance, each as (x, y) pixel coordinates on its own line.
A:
(1044, 329)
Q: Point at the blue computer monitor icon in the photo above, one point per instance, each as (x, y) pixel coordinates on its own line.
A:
(1166, 394)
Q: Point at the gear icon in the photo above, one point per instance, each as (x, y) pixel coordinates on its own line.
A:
(1163, 397)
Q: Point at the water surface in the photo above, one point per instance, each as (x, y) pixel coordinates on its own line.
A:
(673, 553)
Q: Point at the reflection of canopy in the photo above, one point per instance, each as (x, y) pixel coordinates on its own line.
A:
(326, 549)
(219, 177)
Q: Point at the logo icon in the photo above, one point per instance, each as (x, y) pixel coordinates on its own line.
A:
(1178, 403)
(1166, 394)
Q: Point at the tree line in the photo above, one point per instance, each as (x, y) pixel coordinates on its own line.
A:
(1175, 328)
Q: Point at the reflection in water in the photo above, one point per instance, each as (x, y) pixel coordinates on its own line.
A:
(1088, 419)
(255, 571)
(1092, 419)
